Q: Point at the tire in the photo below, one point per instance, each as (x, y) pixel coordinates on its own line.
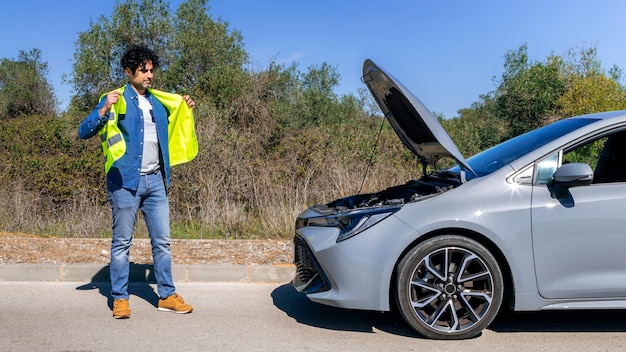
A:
(449, 287)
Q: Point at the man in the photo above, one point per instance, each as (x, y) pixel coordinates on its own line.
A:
(133, 124)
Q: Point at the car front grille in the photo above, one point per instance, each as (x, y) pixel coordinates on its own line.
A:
(309, 277)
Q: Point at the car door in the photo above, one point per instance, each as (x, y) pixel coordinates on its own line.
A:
(579, 237)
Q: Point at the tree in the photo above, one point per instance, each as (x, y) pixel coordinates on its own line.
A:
(589, 94)
(96, 67)
(318, 84)
(206, 57)
(198, 55)
(309, 99)
(477, 128)
(588, 88)
(528, 93)
(24, 87)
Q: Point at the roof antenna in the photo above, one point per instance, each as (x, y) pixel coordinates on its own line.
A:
(369, 164)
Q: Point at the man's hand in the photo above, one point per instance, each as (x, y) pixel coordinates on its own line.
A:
(189, 102)
(111, 99)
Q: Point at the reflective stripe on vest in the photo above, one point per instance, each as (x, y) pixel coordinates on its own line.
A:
(113, 144)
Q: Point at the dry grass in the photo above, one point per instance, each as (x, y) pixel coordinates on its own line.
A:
(246, 183)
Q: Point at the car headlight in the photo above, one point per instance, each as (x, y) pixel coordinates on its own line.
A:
(349, 223)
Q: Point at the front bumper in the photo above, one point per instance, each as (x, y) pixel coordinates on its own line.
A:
(355, 273)
(309, 276)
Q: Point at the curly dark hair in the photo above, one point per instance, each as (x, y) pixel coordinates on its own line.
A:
(137, 56)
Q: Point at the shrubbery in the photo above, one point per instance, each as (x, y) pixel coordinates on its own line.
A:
(239, 186)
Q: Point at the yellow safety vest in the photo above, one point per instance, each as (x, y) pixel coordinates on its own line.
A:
(182, 141)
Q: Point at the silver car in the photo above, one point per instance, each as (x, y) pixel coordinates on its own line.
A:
(535, 223)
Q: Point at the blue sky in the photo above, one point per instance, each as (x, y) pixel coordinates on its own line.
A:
(446, 52)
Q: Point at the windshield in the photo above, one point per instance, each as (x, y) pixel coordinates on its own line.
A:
(506, 152)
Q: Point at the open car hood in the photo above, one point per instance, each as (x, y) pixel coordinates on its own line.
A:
(416, 126)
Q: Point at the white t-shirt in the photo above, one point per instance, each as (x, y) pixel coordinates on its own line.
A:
(150, 158)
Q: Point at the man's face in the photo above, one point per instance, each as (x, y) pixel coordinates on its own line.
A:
(141, 79)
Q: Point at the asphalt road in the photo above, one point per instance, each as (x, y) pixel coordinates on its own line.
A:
(65, 316)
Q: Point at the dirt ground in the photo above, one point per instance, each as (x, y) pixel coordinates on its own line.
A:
(25, 248)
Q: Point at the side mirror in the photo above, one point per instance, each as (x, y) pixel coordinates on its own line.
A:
(572, 175)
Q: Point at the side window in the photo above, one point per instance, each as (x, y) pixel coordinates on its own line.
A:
(546, 168)
(605, 155)
(588, 153)
(611, 166)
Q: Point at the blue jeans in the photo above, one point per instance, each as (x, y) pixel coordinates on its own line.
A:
(151, 198)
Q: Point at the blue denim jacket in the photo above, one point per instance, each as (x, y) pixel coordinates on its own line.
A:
(125, 171)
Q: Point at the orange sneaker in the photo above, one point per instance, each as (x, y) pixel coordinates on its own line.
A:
(121, 309)
(174, 303)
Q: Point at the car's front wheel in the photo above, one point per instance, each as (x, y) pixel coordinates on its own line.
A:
(449, 287)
